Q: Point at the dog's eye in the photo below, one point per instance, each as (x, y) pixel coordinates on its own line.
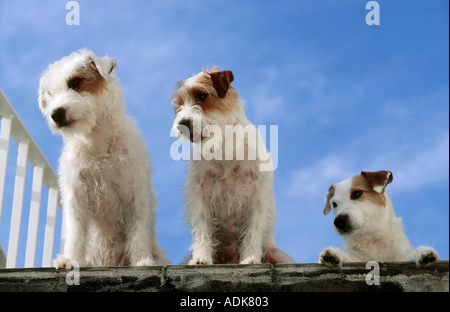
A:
(356, 194)
(74, 82)
(200, 97)
(333, 204)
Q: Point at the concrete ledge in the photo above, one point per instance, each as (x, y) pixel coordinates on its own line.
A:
(395, 277)
(2, 258)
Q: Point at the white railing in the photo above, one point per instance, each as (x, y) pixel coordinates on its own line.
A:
(28, 151)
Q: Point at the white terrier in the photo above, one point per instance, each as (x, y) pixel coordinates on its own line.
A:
(229, 201)
(108, 199)
(365, 217)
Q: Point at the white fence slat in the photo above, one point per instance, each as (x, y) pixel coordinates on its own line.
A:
(5, 134)
(50, 227)
(16, 216)
(28, 153)
(33, 222)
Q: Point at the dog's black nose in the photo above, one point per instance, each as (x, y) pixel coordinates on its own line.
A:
(341, 221)
(59, 115)
(182, 124)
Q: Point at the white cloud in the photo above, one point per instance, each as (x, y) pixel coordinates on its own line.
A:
(266, 107)
(411, 171)
(313, 181)
(427, 167)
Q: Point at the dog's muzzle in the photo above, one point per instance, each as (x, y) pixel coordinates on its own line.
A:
(59, 116)
(342, 223)
(183, 124)
(186, 129)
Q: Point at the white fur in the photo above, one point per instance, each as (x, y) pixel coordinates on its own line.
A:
(377, 234)
(229, 204)
(107, 197)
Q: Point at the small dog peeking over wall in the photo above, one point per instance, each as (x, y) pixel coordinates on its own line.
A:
(365, 217)
(229, 203)
(108, 199)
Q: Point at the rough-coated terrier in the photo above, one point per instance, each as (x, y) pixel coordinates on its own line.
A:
(108, 199)
(365, 217)
(229, 201)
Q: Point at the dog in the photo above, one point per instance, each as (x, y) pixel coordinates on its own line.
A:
(365, 217)
(107, 197)
(229, 201)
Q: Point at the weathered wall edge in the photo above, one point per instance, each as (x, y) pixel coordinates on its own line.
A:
(399, 276)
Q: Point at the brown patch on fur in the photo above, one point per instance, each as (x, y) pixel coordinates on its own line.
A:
(213, 102)
(221, 81)
(331, 191)
(226, 99)
(378, 179)
(223, 106)
(330, 194)
(89, 78)
(360, 183)
(177, 98)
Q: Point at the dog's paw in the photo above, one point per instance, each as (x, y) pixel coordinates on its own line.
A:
(250, 260)
(146, 262)
(330, 258)
(426, 257)
(196, 261)
(60, 262)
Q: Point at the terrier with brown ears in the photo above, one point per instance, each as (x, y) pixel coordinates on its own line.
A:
(365, 217)
(229, 200)
(108, 199)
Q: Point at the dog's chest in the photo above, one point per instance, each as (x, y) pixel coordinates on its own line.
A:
(229, 192)
(231, 195)
(98, 183)
(374, 248)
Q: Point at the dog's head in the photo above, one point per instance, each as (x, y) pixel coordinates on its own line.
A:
(358, 201)
(71, 89)
(206, 99)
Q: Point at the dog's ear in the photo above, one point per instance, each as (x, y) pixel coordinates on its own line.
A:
(221, 81)
(112, 65)
(104, 65)
(42, 99)
(378, 179)
(330, 194)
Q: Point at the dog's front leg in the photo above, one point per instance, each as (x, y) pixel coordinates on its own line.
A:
(424, 256)
(198, 189)
(332, 257)
(251, 248)
(74, 238)
(139, 236)
(202, 248)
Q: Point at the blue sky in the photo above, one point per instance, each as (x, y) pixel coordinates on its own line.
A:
(346, 97)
